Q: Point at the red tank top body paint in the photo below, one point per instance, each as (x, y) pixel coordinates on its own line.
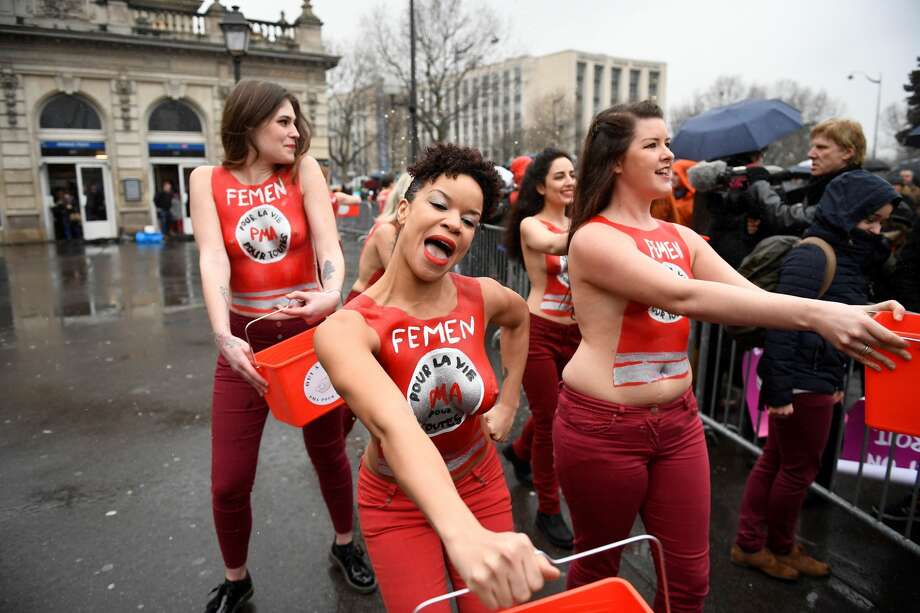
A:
(557, 297)
(441, 367)
(267, 238)
(653, 342)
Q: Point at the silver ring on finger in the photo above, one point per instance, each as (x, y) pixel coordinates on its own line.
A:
(866, 350)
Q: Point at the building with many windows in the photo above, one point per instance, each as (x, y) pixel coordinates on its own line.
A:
(103, 101)
(527, 102)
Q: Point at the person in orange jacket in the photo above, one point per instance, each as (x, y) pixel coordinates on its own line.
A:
(682, 191)
(518, 167)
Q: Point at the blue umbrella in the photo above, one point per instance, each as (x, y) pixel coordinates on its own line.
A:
(744, 126)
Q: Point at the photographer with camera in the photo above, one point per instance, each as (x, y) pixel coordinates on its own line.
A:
(727, 207)
(837, 146)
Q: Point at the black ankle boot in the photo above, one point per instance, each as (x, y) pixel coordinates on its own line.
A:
(231, 596)
(352, 562)
(522, 471)
(555, 530)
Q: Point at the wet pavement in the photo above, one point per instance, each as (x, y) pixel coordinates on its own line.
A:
(104, 463)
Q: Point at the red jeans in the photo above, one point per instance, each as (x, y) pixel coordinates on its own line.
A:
(238, 416)
(616, 461)
(552, 345)
(779, 480)
(408, 557)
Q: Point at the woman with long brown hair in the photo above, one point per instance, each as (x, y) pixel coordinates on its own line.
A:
(264, 228)
(537, 236)
(627, 437)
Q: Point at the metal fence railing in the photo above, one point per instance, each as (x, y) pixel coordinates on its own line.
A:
(360, 225)
(872, 474)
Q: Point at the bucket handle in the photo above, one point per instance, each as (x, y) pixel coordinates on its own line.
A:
(659, 569)
(290, 303)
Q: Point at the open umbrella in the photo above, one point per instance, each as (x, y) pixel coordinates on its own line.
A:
(744, 126)
(876, 165)
(913, 138)
(801, 169)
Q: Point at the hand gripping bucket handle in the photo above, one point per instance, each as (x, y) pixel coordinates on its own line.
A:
(659, 568)
(280, 309)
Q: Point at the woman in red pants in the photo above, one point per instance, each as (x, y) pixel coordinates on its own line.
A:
(259, 219)
(537, 236)
(408, 357)
(627, 436)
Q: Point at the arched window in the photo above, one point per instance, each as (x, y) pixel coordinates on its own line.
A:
(69, 113)
(173, 116)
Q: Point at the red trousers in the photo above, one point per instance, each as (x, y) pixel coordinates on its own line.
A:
(616, 461)
(408, 557)
(552, 345)
(238, 416)
(779, 480)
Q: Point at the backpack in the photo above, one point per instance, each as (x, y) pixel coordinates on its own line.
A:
(761, 267)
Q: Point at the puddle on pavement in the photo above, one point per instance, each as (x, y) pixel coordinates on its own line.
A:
(55, 285)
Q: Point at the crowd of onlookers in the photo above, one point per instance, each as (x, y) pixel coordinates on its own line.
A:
(739, 215)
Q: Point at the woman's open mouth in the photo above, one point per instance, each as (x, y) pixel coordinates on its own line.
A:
(438, 249)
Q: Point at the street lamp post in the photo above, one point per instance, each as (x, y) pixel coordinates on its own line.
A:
(236, 37)
(413, 93)
(878, 104)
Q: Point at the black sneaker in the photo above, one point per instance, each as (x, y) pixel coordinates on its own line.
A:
(352, 562)
(554, 529)
(231, 596)
(521, 467)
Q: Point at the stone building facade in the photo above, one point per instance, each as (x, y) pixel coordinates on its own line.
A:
(103, 101)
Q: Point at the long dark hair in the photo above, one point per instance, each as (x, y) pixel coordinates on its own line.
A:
(530, 200)
(249, 105)
(608, 138)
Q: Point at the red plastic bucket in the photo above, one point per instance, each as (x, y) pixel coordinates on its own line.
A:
(612, 594)
(893, 396)
(299, 389)
(602, 596)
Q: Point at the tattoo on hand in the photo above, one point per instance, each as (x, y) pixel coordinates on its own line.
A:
(328, 270)
(225, 293)
(226, 341)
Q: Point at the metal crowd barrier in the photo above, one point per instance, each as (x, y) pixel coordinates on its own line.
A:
(885, 469)
(360, 225)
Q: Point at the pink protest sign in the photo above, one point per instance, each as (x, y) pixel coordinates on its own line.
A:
(749, 362)
(906, 448)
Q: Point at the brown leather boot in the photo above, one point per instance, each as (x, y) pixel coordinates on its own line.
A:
(765, 562)
(804, 563)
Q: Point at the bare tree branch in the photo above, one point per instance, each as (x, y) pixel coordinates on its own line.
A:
(453, 38)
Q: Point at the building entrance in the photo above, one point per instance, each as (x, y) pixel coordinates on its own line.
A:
(178, 176)
(81, 202)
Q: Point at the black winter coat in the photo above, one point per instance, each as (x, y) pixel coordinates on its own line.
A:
(804, 360)
(907, 271)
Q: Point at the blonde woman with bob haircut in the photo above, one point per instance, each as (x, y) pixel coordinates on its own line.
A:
(264, 229)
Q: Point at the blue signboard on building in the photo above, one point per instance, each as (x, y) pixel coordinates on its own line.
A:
(182, 150)
(72, 148)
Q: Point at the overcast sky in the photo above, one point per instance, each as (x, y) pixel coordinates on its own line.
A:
(815, 42)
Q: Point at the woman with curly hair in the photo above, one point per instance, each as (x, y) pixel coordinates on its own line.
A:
(537, 236)
(432, 497)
